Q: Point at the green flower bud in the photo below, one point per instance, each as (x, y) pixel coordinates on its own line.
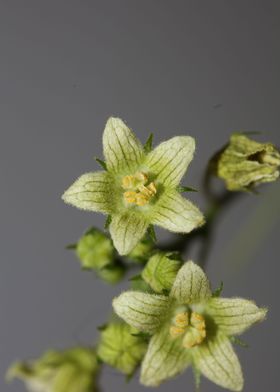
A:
(112, 273)
(245, 163)
(161, 270)
(121, 347)
(142, 250)
(95, 250)
(67, 371)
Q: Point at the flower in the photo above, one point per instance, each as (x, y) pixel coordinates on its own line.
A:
(121, 347)
(245, 163)
(189, 327)
(71, 370)
(138, 188)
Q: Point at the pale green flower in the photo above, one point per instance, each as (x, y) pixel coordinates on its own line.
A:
(189, 327)
(138, 188)
(121, 347)
(245, 163)
(73, 370)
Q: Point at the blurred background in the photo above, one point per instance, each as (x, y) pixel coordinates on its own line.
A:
(203, 68)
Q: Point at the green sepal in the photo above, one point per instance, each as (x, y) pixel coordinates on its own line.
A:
(152, 234)
(149, 144)
(71, 247)
(218, 291)
(112, 273)
(107, 222)
(182, 189)
(197, 378)
(101, 163)
(238, 342)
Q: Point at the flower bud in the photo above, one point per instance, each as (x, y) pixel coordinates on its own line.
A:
(66, 371)
(112, 273)
(161, 270)
(95, 250)
(142, 250)
(245, 163)
(121, 348)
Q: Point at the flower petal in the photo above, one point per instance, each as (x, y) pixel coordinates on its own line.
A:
(176, 214)
(191, 284)
(122, 150)
(91, 192)
(234, 315)
(127, 230)
(170, 159)
(165, 358)
(217, 361)
(143, 311)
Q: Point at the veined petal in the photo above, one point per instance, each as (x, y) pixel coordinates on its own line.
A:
(143, 311)
(191, 284)
(174, 213)
(166, 357)
(127, 230)
(92, 192)
(217, 361)
(170, 159)
(122, 150)
(234, 315)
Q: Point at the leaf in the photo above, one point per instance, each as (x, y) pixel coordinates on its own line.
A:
(101, 163)
(149, 144)
(218, 291)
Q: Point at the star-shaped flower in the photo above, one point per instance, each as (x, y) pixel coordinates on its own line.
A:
(138, 188)
(189, 327)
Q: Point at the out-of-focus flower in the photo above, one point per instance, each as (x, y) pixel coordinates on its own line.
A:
(244, 163)
(73, 370)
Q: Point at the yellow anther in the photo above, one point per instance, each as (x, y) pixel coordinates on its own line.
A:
(197, 321)
(137, 193)
(141, 177)
(152, 188)
(141, 199)
(130, 196)
(176, 331)
(182, 320)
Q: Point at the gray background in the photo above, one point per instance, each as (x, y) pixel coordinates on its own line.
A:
(203, 68)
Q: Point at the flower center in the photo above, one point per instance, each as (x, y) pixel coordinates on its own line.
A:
(191, 326)
(138, 189)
